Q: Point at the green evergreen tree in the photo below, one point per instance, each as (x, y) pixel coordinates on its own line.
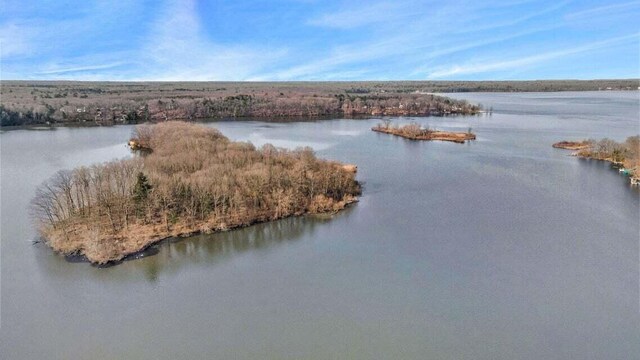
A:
(141, 189)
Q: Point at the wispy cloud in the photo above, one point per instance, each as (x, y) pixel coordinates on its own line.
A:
(436, 53)
(605, 10)
(51, 39)
(16, 40)
(512, 20)
(503, 65)
(337, 57)
(178, 49)
(74, 69)
(357, 16)
(405, 29)
(305, 39)
(174, 47)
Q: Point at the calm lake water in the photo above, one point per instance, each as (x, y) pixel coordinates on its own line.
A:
(504, 248)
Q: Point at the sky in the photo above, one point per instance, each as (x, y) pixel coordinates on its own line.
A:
(280, 40)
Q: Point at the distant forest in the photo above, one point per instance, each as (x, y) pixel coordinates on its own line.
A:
(107, 103)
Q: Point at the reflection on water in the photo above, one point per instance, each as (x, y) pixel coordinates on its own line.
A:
(259, 140)
(210, 249)
(204, 250)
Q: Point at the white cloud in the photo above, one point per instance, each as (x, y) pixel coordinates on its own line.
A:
(365, 14)
(16, 40)
(502, 22)
(174, 47)
(380, 38)
(177, 49)
(72, 69)
(605, 10)
(339, 56)
(407, 32)
(472, 45)
(503, 65)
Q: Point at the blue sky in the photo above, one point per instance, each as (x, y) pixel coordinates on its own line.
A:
(319, 40)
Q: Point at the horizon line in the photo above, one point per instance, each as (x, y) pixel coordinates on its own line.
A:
(312, 81)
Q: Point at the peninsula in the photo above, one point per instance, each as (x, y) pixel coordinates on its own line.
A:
(625, 155)
(186, 179)
(414, 131)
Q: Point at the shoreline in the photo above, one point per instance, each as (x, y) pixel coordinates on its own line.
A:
(273, 119)
(622, 156)
(426, 135)
(140, 253)
(634, 177)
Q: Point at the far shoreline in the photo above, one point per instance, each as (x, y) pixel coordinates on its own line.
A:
(204, 121)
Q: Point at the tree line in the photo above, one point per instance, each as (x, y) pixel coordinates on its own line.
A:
(107, 108)
(626, 153)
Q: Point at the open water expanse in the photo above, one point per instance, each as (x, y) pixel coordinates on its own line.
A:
(502, 248)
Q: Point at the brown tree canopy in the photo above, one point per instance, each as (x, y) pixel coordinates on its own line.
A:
(189, 179)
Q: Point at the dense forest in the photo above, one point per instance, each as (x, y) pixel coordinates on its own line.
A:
(26, 103)
(187, 179)
(106, 103)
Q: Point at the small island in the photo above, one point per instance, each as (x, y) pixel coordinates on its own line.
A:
(572, 145)
(414, 131)
(185, 179)
(625, 156)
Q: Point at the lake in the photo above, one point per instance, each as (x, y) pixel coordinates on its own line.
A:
(502, 248)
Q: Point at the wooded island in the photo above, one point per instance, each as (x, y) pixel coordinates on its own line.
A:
(186, 179)
(414, 131)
